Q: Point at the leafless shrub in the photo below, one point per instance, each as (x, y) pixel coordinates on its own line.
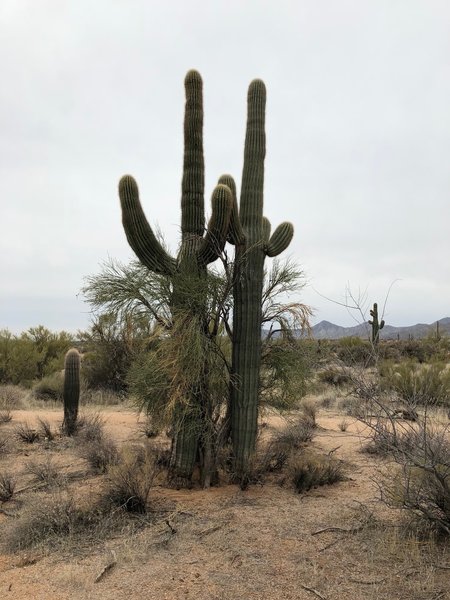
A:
(295, 435)
(7, 486)
(5, 416)
(421, 484)
(308, 470)
(130, 481)
(25, 433)
(11, 397)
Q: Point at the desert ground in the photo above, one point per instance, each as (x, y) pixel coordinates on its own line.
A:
(268, 542)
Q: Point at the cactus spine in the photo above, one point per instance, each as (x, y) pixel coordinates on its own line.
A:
(376, 325)
(250, 233)
(71, 393)
(198, 248)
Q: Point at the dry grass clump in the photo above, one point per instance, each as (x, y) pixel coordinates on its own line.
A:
(100, 454)
(90, 428)
(308, 413)
(308, 470)
(7, 486)
(131, 479)
(4, 444)
(5, 416)
(45, 430)
(50, 520)
(25, 433)
(149, 429)
(45, 472)
(343, 424)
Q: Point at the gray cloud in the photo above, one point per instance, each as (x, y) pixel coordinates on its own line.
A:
(358, 139)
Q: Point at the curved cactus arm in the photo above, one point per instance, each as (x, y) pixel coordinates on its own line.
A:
(216, 234)
(139, 234)
(381, 323)
(236, 234)
(266, 228)
(193, 182)
(280, 240)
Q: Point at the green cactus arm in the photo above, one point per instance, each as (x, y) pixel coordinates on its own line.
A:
(251, 205)
(370, 322)
(216, 234)
(266, 228)
(139, 234)
(381, 323)
(193, 182)
(280, 239)
(236, 234)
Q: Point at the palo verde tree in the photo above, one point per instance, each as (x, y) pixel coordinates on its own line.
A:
(250, 234)
(188, 270)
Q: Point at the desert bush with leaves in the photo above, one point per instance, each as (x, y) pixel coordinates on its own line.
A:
(49, 388)
(418, 385)
(353, 351)
(334, 376)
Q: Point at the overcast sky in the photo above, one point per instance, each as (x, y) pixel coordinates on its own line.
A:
(358, 140)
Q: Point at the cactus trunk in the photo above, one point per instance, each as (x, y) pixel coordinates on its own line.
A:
(189, 270)
(71, 393)
(250, 233)
(376, 325)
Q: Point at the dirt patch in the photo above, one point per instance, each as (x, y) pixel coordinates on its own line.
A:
(268, 542)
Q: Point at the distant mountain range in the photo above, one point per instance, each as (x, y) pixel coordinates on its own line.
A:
(329, 331)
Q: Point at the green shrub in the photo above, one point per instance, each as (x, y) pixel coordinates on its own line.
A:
(336, 377)
(353, 351)
(418, 384)
(50, 388)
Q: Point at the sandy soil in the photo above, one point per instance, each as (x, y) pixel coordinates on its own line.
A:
(227, 544)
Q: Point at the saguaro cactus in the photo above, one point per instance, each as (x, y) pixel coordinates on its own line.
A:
(198, 248)
(250, 233)
(71, 393)
(376, 325)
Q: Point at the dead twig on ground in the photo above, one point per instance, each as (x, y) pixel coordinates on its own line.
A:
(107, 568)
(313, 591)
